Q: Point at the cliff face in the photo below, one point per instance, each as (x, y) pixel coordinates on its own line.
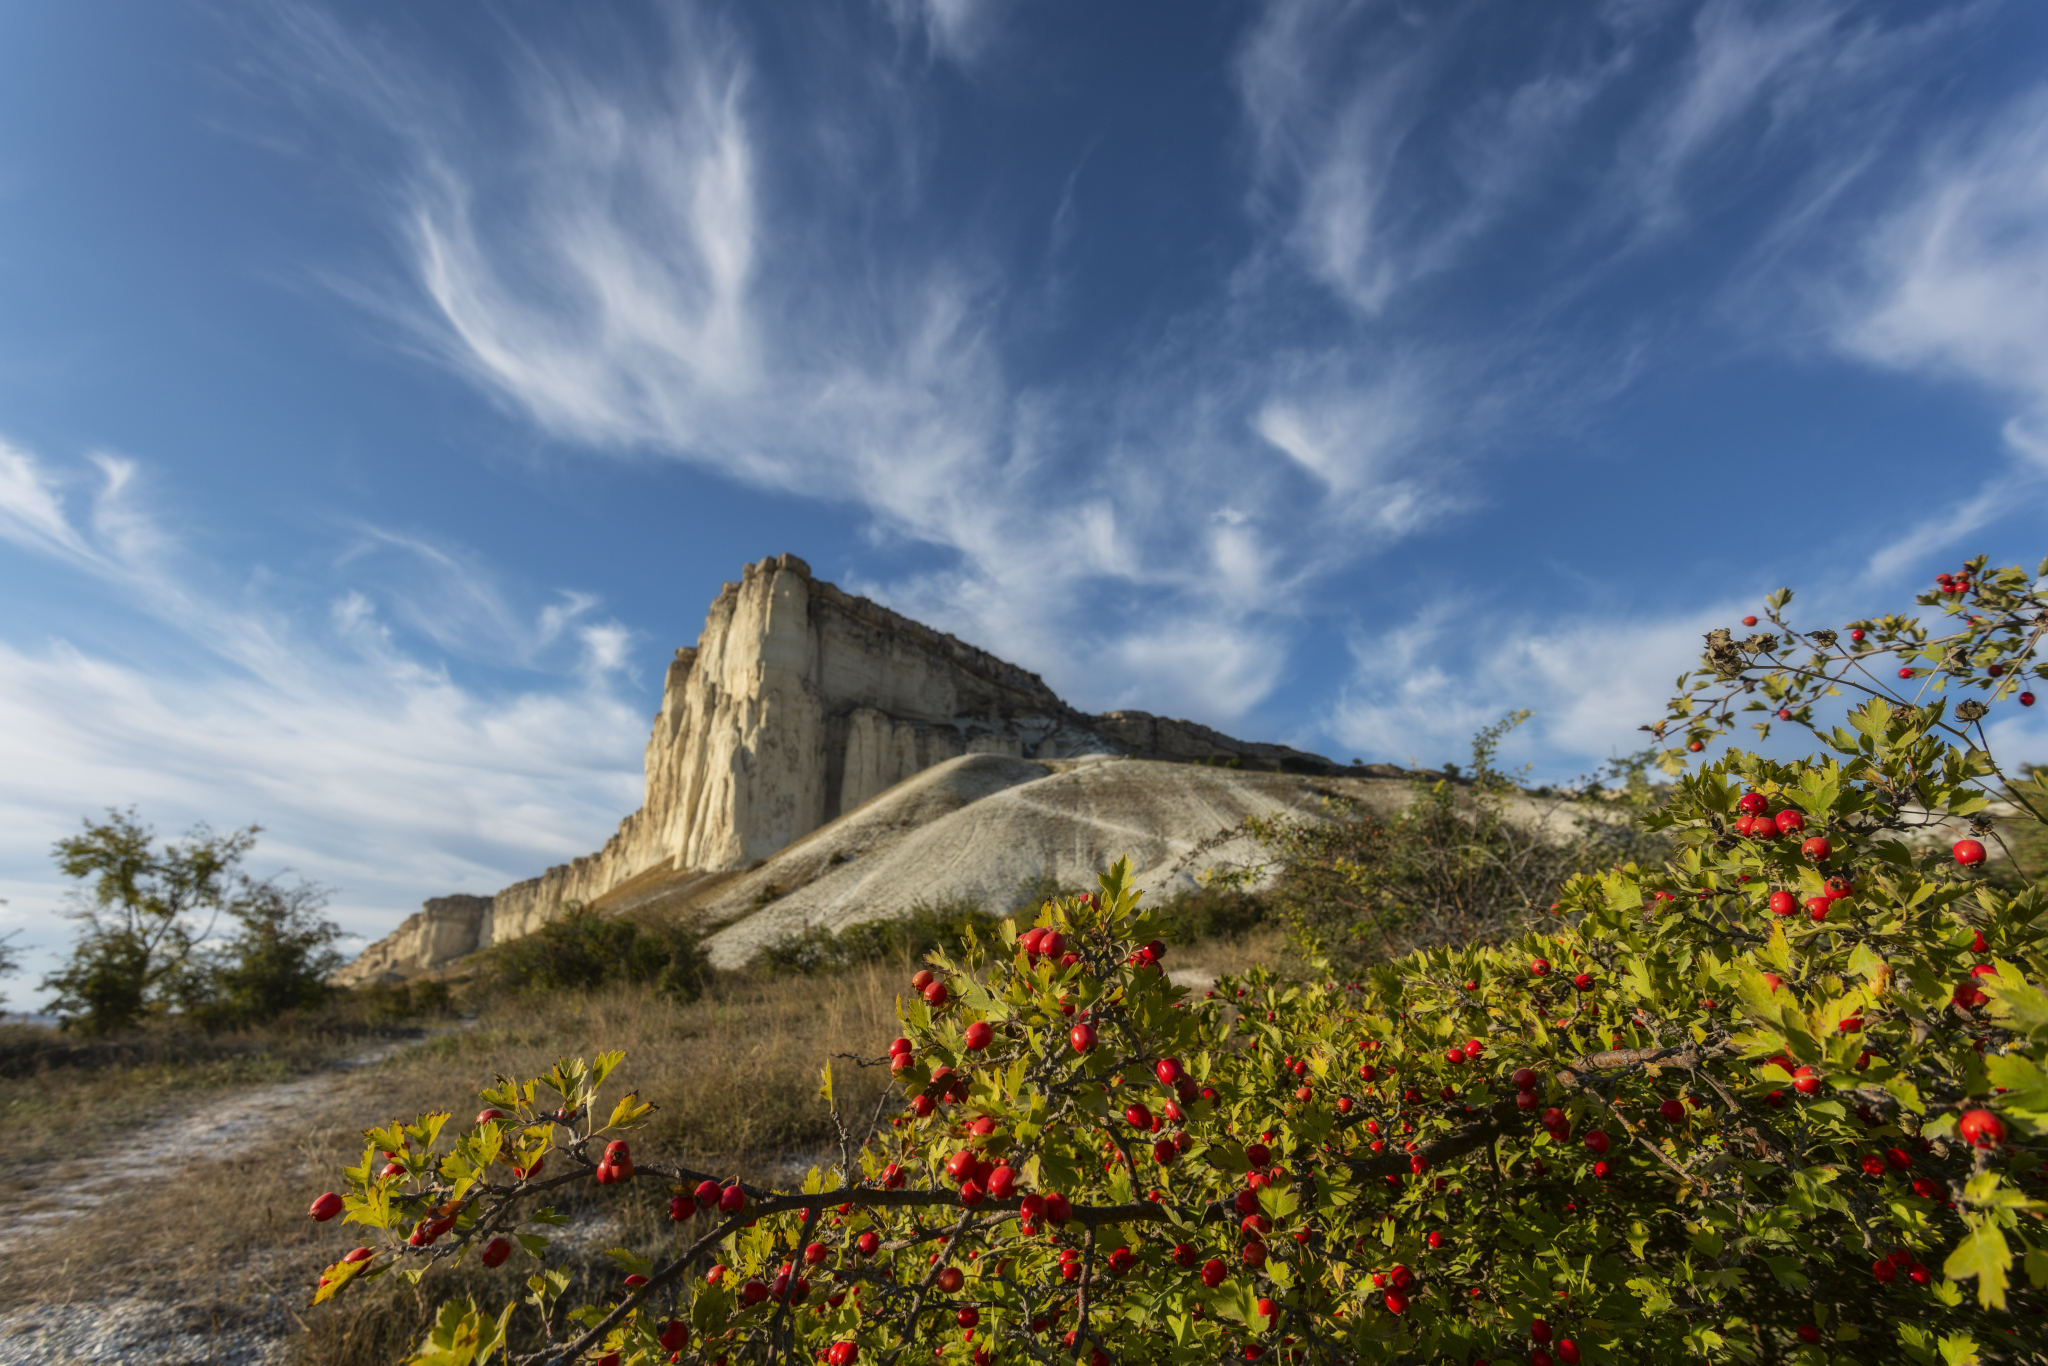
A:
(442, 930)
(798, 703)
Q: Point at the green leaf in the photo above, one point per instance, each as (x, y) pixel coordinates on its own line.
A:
(1959, 1349)
(606, 1064)
(629, 1261)
(1984, 1255)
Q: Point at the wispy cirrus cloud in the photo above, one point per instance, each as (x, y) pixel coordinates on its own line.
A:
(958, 30)
(641, 283)
(627, 249)
(1953, 279)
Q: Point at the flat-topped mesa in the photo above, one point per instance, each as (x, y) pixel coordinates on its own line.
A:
(800, 702)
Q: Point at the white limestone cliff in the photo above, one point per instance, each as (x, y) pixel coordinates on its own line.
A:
(800, 702)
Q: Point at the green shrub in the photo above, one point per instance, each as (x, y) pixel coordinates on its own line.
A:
(942, 925)
(1214, 910)
(396, 1002)
(582, 950)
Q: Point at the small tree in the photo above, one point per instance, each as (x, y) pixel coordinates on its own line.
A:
(138, 949)
(147, 946)
(278, 960)
(10, 958)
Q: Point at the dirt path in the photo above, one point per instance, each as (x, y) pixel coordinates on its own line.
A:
(58, 1192)
(54, 1197)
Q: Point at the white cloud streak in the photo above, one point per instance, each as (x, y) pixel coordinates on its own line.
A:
(371, 768)
(1421, 692)
(1954, 279)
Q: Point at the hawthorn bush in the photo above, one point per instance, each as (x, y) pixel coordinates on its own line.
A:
(1778, 1099)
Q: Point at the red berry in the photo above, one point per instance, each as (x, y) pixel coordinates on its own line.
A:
(1806, 1081)
(496, 1251)
(1596, 1141)
(978, 1035)
(1817, 848)
(1981, 1129)
(1749, 621)
(1856, 634)
(935, 994)
(486, 1116)
(1214, 1272)
(1583, 982)
(1568, 1352)
(1905, 673)
(1695, 747)
(1539, 1331)
(843, 1353)
(681, 1207)
(1817, 907)
(1884, 1271)
(1540, 968)
(1783, 903)
(1754, 803)
(1169, 1071)
(2026, 699)
(1968, 852)
(1082, 1037)
(1524, 1079)
(1673, 1110)
(732, 1200)
(1788, 821)
(326, 1207)
(1808, 1333)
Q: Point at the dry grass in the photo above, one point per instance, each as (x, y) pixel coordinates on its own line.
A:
(1266, 946)
(60, 1097)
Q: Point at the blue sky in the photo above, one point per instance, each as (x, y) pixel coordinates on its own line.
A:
(386, 389)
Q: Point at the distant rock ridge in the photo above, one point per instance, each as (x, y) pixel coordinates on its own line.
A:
(799, 703)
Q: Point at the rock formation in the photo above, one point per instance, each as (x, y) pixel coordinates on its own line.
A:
(444, 929)
(798, 703)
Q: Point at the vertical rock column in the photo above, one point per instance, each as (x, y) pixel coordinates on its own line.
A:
(750, 742)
